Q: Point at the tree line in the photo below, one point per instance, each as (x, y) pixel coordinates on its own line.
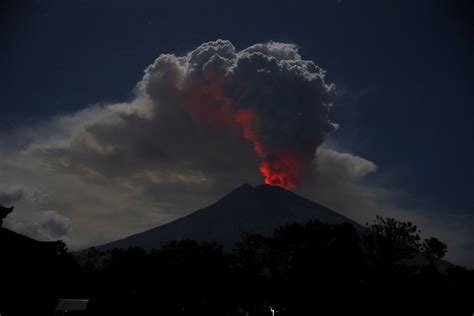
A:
(302, 269)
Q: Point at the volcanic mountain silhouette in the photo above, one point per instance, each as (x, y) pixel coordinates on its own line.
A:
(259, 209)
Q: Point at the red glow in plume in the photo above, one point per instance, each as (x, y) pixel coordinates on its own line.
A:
(283, 169)
(280, 167)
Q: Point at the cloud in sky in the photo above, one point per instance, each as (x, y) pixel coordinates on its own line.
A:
(200, 125)
(44, 225)
(9, 195)
(266, 92)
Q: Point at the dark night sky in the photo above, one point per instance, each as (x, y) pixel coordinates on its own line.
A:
(403, 70)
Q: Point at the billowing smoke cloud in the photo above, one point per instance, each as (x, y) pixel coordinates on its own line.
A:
(277, 100)
(47, 225)
(9, 195)
(200, 125)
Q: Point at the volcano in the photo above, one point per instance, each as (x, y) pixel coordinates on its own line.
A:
(259, 209)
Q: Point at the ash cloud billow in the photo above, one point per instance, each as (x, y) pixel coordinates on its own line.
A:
(45, 225)
(200, 125)
(266, 93)
(10, 195)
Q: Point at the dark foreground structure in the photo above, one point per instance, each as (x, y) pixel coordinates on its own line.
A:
(302, 269)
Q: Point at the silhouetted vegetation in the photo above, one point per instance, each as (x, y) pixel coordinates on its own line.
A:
(311, 269)
(34, 274)
(4, 211)
(434, 249)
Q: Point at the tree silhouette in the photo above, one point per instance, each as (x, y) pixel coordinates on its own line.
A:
(4, 211)
(434, 249)
(301, 269)
(388, 241)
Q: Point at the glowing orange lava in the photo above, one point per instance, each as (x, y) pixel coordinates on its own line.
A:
(280, 167)
(283, 169)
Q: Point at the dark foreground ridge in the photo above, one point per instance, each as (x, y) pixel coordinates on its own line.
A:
(310, 268)
(34, 273)
(259, 209)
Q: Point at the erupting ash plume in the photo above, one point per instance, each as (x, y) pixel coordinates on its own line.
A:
(266, 93)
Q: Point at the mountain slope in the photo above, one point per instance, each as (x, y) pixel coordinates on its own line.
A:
(13, 243)
(246, 209)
